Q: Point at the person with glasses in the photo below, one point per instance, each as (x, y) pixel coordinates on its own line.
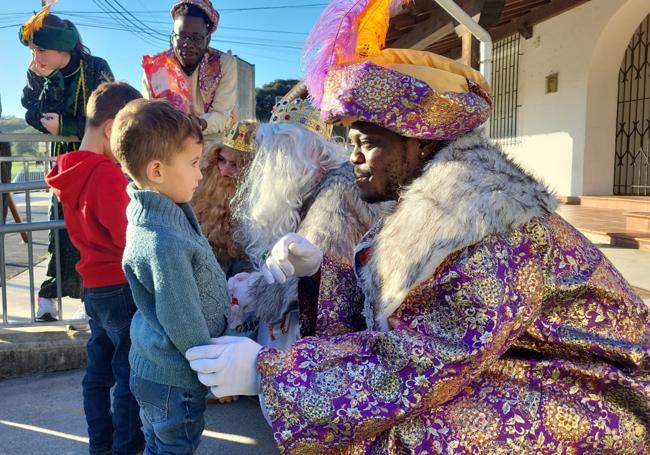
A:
(192, 76)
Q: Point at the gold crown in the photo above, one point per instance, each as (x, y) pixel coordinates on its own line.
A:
(241, 136)
(300, 112)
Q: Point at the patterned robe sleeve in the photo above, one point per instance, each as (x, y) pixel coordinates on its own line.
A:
(340, 300)
(329, 392)
(335, 222)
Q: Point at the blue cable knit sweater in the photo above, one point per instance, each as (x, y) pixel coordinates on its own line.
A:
(177, 284)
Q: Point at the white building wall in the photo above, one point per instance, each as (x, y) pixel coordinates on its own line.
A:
(567, 137)
(245, 90)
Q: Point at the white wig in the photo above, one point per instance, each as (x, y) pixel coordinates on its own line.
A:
(289, 164)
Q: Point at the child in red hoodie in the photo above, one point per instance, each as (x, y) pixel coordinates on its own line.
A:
(92, 189)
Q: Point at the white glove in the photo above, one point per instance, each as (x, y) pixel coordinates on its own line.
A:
(292, 255)
(227, 365)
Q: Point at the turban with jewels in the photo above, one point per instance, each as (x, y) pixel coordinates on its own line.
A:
(351, 77)
(203, 5)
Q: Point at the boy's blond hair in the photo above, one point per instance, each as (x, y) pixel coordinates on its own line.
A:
(147, 130)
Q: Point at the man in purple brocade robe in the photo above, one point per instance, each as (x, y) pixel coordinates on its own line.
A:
(473, 320)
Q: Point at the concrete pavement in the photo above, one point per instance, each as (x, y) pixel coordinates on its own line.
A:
(44, 415)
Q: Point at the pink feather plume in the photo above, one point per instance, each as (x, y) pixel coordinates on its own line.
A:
(334, 35)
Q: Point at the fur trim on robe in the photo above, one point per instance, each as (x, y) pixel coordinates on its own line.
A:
(470, 176)
(335, 221)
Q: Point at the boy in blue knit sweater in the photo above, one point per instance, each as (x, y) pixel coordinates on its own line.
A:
(177, 284)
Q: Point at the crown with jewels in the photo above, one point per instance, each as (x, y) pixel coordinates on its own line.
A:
(301, 112)
(241, 136)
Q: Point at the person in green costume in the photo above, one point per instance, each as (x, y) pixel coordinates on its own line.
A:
(60, 79)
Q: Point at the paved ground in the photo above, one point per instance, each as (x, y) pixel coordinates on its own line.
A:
(634, 265)
(43, 415)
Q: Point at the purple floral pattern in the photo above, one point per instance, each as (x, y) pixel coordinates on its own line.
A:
(209, 77)
(402, 103)
(527, 342)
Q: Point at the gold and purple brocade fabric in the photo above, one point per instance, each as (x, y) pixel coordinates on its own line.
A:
(401, 103)
(528, 342)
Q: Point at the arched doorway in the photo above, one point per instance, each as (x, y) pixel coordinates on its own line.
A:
(632, 146)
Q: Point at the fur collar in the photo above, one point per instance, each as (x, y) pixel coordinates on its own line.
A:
(334, 219)
(468, 191)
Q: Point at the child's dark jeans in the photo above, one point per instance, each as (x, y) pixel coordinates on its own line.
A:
(172, 417)
(110, 309)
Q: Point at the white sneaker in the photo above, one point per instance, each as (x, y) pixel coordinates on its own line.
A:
(79, 314)
(48, 310)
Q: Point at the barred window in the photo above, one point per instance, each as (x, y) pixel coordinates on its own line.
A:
(505, 79)
(632, 150)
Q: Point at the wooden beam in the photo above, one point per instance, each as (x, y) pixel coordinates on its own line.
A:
(427, 40)
(491, 13)
(438, 25)
(535, 16)
(470, 50)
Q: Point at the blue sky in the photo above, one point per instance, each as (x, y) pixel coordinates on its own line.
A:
(270, 38)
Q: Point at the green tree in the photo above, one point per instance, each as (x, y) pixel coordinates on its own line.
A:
(265, 97)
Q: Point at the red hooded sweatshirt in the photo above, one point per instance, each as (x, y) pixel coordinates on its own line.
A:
(92, 190)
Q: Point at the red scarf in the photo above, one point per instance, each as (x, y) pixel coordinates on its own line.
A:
(167, 80)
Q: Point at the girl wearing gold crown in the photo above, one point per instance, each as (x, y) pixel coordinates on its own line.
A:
(60, 78)
(211, 202)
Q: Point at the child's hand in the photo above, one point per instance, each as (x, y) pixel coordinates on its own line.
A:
(50, 121)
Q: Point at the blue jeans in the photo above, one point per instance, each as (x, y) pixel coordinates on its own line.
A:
(172, 417)
(110, 309)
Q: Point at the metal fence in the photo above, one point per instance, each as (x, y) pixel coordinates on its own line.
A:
(28, 226)
(505, 89)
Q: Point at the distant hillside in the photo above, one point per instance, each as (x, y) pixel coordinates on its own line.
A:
(19, 125)
(15, 125)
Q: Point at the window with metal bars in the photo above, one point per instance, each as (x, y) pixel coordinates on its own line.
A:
(505, 80)
(632, 150)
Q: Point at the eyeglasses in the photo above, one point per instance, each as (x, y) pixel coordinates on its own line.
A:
(193, 39)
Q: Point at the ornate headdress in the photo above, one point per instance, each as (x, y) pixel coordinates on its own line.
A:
(419, 94)
(203, 5)
(295, 108)
(240, 136)
(47, 36)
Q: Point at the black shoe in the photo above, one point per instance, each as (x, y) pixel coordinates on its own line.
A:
(45, 317)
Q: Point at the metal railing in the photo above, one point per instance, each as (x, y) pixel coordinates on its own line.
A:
(28, 226)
